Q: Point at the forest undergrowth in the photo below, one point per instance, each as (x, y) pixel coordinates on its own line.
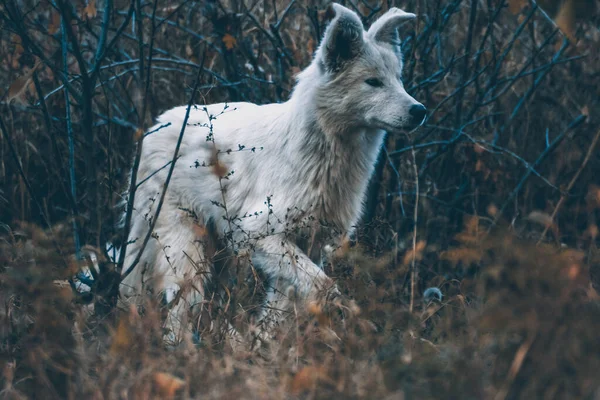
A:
(474, 274)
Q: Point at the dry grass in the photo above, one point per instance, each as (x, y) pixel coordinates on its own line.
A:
(524, 326)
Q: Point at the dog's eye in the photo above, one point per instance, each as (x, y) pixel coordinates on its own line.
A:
(375, 82)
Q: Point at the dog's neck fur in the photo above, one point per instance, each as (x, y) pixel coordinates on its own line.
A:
(340, 158)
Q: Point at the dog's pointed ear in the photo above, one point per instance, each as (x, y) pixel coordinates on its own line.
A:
(385, 29)
(343, 40)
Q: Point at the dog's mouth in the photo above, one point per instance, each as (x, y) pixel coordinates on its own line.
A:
(405, 128)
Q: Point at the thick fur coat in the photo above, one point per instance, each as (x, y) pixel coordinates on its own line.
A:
(262, 173)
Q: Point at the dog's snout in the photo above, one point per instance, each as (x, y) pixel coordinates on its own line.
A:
(417, 113)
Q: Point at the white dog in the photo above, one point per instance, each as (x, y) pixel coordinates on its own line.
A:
(264, 174)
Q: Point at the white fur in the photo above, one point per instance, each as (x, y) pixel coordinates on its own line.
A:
(312, 159)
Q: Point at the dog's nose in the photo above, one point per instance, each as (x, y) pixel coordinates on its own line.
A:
(417, 113)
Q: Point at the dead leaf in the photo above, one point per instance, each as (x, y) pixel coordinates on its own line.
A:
(515, 6)
(90, 10)
(123, 336)
(230, 41)
(306, 379)
(218, 168)
(573, 271)
(585, 111)
(592, 198)
(8, 373)
(139, 133)
(492, 210)
(540, 218)
(565, 19)
(64, 289)
(19, 50)
(54, 25)
(121, 339)
(416, 253)
(315, 309)
(167, 385)
(19, 86)
(310, 46)
(544, 220)
(591, 232)
(471, 226)
(463, 255)
(479, 166)
(573, 255)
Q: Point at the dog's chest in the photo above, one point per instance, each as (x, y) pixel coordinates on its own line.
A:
(334, 180)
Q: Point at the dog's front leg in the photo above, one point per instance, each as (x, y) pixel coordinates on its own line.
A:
(283, 260)
(293, 277)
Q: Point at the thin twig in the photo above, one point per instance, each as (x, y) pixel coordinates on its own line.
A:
(43, 214)
(72, 180)
(531, 169)
(169, 174)
(516, 365)
(102, 50)
(140, 142)
(413, 275)
(55, 149)
(563, 197)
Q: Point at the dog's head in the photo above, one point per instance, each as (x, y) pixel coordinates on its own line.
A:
(361, 73)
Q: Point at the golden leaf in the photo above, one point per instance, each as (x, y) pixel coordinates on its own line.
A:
(122, 337)
(315, 309)
(167, 385)
(90, 10)
(565, 19)
(139, 133)
(230, 41)
(416, 253)
(344, 246)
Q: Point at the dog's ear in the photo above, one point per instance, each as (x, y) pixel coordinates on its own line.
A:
(343, 40)
(385, 29)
